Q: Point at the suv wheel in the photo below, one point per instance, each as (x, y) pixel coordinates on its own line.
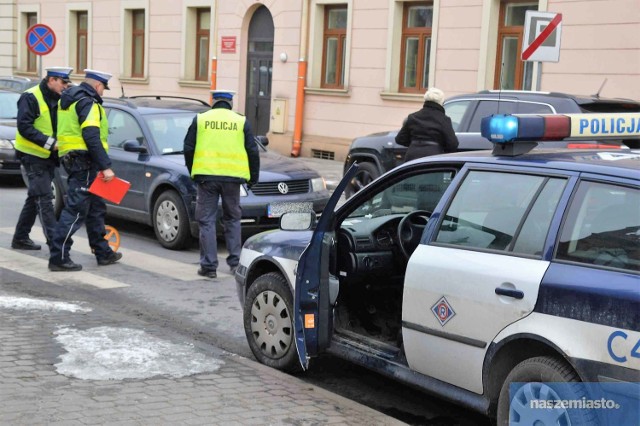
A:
(170, 221)
(367, 172)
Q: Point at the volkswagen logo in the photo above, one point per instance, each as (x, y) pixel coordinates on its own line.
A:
(283, 188)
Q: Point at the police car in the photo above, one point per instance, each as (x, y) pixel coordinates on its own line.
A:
(479, 277)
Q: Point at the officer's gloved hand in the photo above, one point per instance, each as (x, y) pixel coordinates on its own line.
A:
(250, 184)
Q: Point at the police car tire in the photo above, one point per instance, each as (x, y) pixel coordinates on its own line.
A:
(264, 288)
(367, 171)
(184, 232)
(58, 198)
(545, 369)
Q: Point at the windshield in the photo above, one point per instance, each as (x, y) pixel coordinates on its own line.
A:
(9, 104)
(169, 130)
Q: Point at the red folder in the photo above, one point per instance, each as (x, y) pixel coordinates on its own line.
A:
(113, 191)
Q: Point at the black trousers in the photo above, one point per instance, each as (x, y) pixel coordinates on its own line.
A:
(419, 149)
(81, 207)
(39, 202)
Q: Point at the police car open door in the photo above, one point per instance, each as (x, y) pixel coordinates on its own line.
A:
(313, 321)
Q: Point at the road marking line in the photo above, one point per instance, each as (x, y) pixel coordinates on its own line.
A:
(158, 265)
(38, 268)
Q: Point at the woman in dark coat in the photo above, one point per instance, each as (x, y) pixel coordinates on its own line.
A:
(428, 131)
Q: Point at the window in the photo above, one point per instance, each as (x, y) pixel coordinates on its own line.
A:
(511, 72)
(137, 43)
(487, 214)
(416, 47)
(489, 107)
(168, 130)
(202, 44)
(122, 128)
(334, 47)
(417, 192)
(82, 26)
(32, 64)
(456, 110)
(602, 227)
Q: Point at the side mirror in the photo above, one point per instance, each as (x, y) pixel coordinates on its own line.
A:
(298, 221)
(134, 146)
(262, 140)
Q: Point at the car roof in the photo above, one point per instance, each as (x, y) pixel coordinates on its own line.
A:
(158, 104)
(592, 103)
(621, 163)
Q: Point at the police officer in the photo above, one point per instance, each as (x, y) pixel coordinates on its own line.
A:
(82, 145)
(37, 150)
(221, 155)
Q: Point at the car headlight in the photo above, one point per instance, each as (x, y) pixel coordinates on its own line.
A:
(318, 184)
(243, 191)
(6, 144)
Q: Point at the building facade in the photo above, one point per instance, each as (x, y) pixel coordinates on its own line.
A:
(314, 74)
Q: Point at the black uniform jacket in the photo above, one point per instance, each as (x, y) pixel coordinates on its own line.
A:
(424, 127)
(86, 96)
(249, 145)
(29, 110)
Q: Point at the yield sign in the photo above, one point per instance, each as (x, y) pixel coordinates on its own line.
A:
(541, 41)
(40, 39)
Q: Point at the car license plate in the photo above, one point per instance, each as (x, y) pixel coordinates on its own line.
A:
(278, 209)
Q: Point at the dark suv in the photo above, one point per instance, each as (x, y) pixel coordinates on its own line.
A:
(146, 136)
(378, 152)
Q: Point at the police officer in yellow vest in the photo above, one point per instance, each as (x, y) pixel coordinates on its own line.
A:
(37, 149)
(221, 155)
(82, 145)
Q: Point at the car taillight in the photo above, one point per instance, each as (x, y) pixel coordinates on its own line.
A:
(592, 146)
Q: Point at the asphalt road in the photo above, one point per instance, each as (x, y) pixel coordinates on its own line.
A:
(159, 286)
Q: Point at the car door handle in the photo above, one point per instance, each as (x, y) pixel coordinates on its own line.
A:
(509, 292)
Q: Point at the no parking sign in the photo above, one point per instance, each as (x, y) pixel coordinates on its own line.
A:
(41, 39)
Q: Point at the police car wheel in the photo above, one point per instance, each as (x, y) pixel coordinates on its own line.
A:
(542, 379)
(367, 172)
(58, 200)
(268, 322)
(170, 221)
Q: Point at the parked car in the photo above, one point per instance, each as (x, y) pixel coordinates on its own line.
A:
(16, 83)
(478, 277)
(9, 164)
(146, 136)
(377, 153)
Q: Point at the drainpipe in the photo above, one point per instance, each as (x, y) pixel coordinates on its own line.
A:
(302, 74)
(214, 59)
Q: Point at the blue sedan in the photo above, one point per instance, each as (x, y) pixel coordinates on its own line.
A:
(146, 135)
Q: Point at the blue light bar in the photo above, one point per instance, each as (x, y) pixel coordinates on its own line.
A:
(503, 128)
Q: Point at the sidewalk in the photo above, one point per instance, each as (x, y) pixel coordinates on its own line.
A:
(51, 374)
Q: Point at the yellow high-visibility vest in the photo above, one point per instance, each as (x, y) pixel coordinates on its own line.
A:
(70, 132)
(42, 123)
(220, 145)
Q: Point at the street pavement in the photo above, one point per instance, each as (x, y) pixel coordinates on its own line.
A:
(330, 170)
(48, 379)
(80, 363)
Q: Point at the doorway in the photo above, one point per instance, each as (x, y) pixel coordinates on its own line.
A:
(259, 70)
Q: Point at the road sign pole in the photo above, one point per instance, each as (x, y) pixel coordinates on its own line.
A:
(539, 77)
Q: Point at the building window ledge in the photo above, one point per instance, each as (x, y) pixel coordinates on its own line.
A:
(134, 80)
(327, 92)
(406, 97)
(194, 83)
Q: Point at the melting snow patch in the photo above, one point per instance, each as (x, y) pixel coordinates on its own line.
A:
(41, 305)
(107, 353)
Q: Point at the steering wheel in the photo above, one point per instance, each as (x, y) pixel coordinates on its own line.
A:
(410, 230)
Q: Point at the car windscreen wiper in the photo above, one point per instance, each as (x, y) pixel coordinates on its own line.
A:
(173, 152)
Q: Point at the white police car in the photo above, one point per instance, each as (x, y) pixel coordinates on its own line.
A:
(479, 277)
